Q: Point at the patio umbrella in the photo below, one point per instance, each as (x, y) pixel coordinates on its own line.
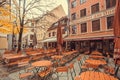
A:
(59, 38)
(116, 25)
(34, 40)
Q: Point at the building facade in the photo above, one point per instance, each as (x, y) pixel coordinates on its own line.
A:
(43, 23)
(91, 24)
(51, 35)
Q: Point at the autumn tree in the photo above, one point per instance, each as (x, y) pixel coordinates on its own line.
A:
(25, 9)
(2, 2)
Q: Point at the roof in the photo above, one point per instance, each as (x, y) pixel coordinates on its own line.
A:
(55, 24)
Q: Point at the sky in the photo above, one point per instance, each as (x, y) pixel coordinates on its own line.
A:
(64, 4)
(36, 12)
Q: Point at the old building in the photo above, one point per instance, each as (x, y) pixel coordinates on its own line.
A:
(51, 37)
(91, 24)
(43, 23)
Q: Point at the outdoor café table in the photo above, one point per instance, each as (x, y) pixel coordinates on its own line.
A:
(96, 53)
(96, 57)
(42, 63)
(96, 62)
(91, 75)
(13, 57)
(34, 54)
(57, 57)
(6, 55)
(68, 53)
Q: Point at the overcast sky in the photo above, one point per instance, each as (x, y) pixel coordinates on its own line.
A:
(64, 4)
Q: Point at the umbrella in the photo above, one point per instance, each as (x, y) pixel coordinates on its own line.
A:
(59, 38)
(34, 39)
(116, 25)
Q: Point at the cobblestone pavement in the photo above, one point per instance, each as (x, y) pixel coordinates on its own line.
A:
(4, 75)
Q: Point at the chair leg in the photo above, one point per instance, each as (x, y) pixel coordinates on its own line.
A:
(71, 75)
(74, 71)
(79, 66)
(57, 76)
(67, 76)
(116, 71)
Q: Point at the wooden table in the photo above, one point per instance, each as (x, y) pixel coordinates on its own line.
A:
(34, 54)
(6, 55)
(96, 53)
(96, 57)
(13, 57)
(91, 75)
(43, 63)
(57, 57)
(96, 62)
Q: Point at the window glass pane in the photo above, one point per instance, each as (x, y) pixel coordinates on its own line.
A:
(49, 34)
(83, 12)
(73, 4)
(83, 27)
(96, 25)
(73, 29)
(73, 16)
(82, 1)
(95, 8)
(110, 3)
(110, 22)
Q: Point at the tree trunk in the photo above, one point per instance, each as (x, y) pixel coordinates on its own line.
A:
(20, 39)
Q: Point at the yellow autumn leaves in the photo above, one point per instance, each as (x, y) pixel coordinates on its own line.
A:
(6, 21)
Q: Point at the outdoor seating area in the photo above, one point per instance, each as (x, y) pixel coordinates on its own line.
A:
(59, 39)
(72, 65)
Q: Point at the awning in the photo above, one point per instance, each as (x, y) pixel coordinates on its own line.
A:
(78, 38)
(50, 40)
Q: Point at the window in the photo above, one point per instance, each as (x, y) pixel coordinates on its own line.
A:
(49, 34)
(95, 8)
(31, 37)
(96, 25)
(110, 22)
(110, 3)
(82, 1)
(63, 31)
(73, 16)
(83, 12)
(83, 27)
(73, 4)
(73, 29)
(53, 33)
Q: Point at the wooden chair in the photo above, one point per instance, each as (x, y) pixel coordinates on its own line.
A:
(72, 70)
(62, 70)
(35, 58)
(11, 65)
(79, 59)
(23, 63)
(111, 70)
(45, 73)
(25, 75)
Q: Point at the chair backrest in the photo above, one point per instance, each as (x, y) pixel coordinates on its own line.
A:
(116, 70)
(79, 58)
(62, 69)
(23, 64)
(71, 66)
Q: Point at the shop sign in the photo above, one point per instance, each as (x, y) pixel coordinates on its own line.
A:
(95, 16)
